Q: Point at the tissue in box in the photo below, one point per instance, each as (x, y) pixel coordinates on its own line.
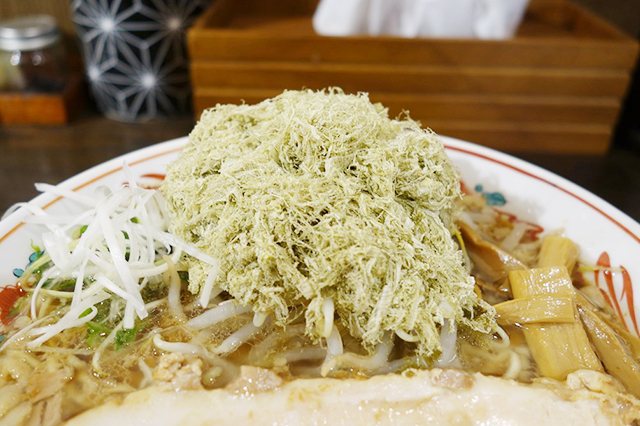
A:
(484, 19)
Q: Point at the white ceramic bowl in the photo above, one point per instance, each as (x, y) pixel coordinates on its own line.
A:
(531, 193)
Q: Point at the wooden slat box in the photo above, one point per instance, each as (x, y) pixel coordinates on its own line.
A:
(556, 87)
(49, 109)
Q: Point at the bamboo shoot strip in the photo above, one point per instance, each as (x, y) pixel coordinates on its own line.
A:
(494, 262)
(558, 349)
(631, 340)
(558, 251)
(615, 355)
(535, 309)
(591, 297)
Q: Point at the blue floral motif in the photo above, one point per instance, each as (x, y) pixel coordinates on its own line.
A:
(492, 198)
(37, 254)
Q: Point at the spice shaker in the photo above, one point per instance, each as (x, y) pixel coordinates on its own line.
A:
(32, 56)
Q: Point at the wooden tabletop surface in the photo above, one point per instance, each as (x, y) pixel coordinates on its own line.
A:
(53, 154)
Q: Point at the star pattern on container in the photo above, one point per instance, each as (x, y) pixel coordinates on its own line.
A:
(135, 55)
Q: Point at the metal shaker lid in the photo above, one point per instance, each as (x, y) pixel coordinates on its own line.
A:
(31, 32)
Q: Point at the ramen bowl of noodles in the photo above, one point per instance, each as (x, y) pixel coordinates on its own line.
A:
(115, 306)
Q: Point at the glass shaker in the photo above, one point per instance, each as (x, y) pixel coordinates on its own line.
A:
(32, 56)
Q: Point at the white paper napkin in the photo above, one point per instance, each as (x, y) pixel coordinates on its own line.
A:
(485, 19)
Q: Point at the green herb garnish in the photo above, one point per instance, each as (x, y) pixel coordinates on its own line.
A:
(125, 337)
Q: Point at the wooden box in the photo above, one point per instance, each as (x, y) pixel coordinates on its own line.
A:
(50, 109)
(556, 87)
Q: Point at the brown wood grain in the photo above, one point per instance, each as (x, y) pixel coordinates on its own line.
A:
(555, 33)
(43, 108)
(517, 53)
(534, 109)
(409, 78)
(530, 137)
(512, 136)
(556, 87)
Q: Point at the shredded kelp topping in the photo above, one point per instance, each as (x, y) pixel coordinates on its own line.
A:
(316, 197)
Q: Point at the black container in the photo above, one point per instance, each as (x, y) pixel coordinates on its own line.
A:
(135, 55)
(628, 131)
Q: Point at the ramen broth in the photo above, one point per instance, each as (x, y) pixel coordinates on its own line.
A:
(125, 366)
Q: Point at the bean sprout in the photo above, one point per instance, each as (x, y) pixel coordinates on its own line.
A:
(232, 342)
(327, 312)
(218, 314)
(173, 299)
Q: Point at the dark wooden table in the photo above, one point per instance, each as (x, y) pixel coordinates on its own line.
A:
(52, 154)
